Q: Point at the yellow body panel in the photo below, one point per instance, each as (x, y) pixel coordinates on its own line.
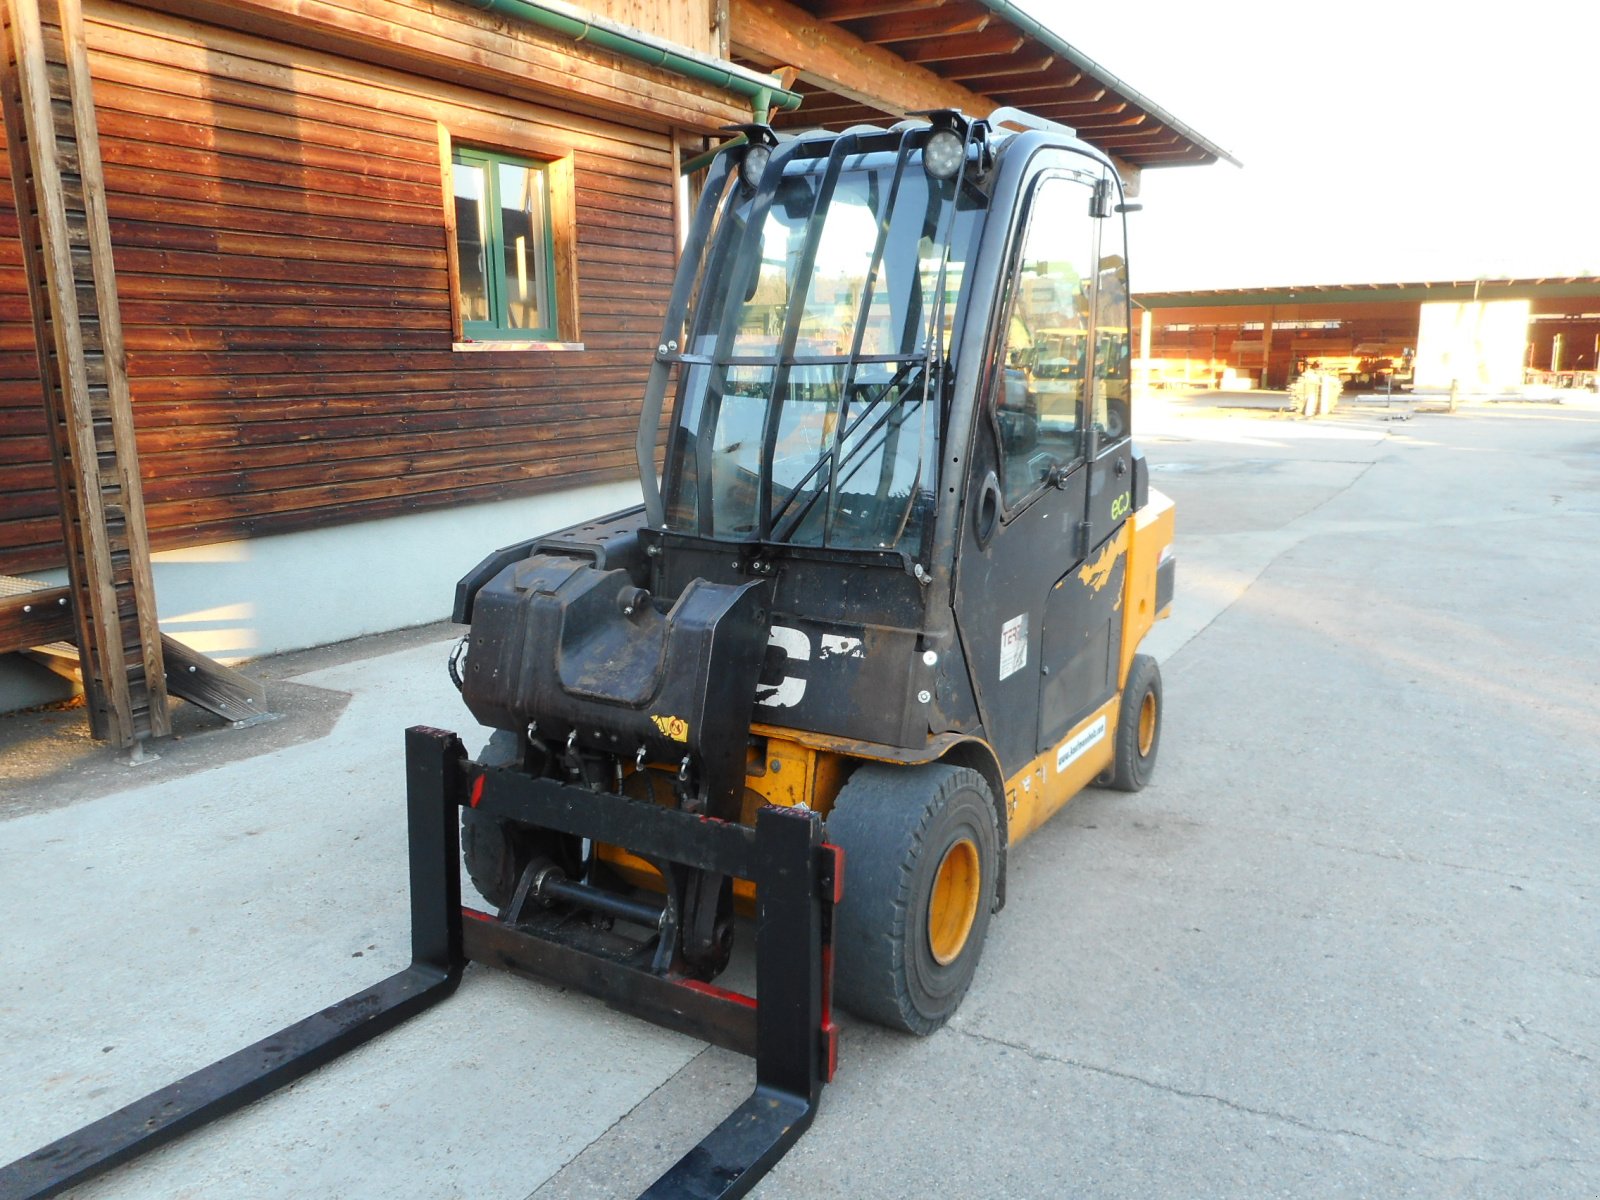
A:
(1037, 791)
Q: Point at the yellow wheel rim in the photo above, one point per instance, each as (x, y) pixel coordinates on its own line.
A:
(1147, 724)
(954, 904)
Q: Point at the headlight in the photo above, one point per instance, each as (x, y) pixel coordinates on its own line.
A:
(754, 163)
(942, 155)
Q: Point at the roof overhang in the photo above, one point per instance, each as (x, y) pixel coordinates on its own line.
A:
(872, 61)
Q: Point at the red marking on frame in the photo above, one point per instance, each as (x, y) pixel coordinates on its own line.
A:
(477, 792)
(838, 871)
(711, 989)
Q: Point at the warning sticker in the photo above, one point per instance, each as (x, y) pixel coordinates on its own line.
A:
(1013, 645)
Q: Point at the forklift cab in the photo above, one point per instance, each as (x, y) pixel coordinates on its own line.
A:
(905, 353)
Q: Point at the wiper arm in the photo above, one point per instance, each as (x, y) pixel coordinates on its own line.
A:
(828, 457)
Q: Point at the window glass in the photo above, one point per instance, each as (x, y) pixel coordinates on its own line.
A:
(851, 425)
(503, 246)
(896, 320)
(1046, 353)
(1112, 347)
(522, 222)
(472, 235)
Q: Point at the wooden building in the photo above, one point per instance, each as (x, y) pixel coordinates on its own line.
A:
(388, 273)
(1548, 330)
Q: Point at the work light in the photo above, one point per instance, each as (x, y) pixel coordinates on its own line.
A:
(753, 164)
(942, 155)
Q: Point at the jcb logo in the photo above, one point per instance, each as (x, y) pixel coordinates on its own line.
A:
(796, 646)
(791, 690)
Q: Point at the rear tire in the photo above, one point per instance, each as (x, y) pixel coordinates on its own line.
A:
(1138, 726)
(921, 854)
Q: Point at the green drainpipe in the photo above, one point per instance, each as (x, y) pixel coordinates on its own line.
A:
(574, 24)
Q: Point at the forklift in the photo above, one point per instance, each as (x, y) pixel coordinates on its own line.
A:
(876, 620)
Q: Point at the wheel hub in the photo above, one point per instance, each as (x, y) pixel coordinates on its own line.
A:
(953, 905)
(1147, 724)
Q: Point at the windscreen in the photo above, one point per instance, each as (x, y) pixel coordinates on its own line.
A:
(804, 412)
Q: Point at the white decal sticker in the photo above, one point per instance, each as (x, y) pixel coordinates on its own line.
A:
(834, 646)
(791, 691)
(1013, 645)
(1072, 749)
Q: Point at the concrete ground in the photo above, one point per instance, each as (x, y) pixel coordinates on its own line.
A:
(1345, 944)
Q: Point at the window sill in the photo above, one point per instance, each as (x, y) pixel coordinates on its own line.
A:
(506, 344)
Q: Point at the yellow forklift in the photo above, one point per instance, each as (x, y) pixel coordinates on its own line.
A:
(876, 620)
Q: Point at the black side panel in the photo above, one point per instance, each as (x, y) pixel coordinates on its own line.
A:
(1082, 643)
(1166, 581)
(1005, 586)
(607, 542)
(846, 653)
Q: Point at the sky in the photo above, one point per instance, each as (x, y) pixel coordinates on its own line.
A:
(1381, 142)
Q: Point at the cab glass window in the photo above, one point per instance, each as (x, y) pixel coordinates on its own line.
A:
(1046, 354)
(1112, 348)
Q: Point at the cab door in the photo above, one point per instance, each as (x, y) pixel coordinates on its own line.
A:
(1034, 601)
(1082, 624)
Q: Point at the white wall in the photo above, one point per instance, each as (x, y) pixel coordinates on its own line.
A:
(1478, 345)
(237, 600)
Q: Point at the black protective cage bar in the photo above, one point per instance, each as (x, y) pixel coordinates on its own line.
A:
(789, 1029)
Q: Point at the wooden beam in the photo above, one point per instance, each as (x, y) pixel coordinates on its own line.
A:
(855, 10)
(1138, 139)
(981, 71)
(1062, 88)
(1083, 108)
(842, 63)
(1112, 121)
(920, 26)
(223, 691)
(839, 119)
(229, 694)
(32, 614)
(988, 44)
(833, 114)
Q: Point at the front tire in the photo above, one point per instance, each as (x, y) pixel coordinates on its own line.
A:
(496, 851)
(921, 854)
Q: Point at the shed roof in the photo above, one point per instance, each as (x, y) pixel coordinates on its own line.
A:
(1548, 287)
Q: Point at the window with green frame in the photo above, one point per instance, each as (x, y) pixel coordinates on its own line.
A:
(504, 246)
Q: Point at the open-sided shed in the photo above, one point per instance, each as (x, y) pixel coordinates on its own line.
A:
(1268, 335)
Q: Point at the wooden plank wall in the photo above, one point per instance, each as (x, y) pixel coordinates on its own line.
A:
(278, 224)
(690, 23)
(29, 509)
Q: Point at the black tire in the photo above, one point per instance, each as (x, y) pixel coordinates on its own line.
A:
(495, 851)
(903, 830)
(1138, 727)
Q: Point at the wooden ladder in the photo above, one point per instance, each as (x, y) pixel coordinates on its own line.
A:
(48, 108)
